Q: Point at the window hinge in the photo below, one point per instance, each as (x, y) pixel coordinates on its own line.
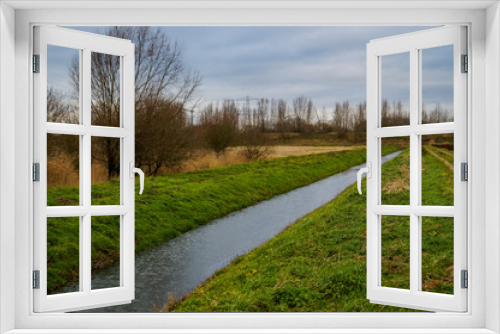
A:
(465, 279)
(464, 171)
(465, 64)
(36, 63)
(36, 279)
(36, 172)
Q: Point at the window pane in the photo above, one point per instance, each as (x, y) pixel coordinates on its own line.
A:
(63, 75)
(437, 254)
(437, 84)
(396, 252)
(395, 180)
(63, 256)
(105, 89)
(105, 171)
(438, 170)
(395, 86)
(106, 251)
(63, 170)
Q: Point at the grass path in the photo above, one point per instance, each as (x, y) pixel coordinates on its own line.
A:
(438, 154)
(174, 204)
(318, 264)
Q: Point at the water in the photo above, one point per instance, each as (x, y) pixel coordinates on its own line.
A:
(181, 264)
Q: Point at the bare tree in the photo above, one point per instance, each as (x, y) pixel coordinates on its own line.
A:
(220, 126)
(341, 117)
(437, 115)
(300, 111)
(61, 109)
(281, 123)
(255, 144)
(162, 83)
(169, 144)
(262, 113)
(360, 120)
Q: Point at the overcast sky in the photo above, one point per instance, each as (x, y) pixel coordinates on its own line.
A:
(327, 64)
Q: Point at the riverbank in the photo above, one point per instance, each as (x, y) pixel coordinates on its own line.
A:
(318, 264)
(174, 204)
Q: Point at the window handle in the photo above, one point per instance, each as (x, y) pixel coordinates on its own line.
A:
(134, 170)
(367, 170)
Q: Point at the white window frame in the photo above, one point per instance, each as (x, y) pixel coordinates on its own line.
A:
(484, 267)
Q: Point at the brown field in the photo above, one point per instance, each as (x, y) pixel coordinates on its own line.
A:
(205, 159)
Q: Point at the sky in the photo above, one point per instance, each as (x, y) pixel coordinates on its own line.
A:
(326, 64)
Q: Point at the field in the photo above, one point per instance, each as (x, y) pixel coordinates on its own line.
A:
(204, 160)
(176, 203)
(318, 264)
(61, 171)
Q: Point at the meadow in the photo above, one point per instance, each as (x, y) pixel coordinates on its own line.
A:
(176, 203)
(318, 264)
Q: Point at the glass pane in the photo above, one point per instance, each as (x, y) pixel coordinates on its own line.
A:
(437, 170)
(63, 255)
(105, 252)
(63, 170)
(105, 171)
(396, 252)
(395, 89)
(63, 75)
(105, 89)
(437, 84)
(437, 254)
(395, 174)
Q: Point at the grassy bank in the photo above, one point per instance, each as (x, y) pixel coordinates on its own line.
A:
(318, 264)
(176, 203)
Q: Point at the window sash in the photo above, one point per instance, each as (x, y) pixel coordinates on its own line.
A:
(87, 43)
(414, 298)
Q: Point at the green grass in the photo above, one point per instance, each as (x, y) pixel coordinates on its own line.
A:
(174, 204)
(318, 264)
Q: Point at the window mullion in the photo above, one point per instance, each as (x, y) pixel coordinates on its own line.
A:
(415, 240)
(85, 250)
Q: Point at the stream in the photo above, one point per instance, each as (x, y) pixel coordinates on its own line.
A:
(181, 264)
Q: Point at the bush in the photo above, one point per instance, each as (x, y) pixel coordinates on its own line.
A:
(256, 145)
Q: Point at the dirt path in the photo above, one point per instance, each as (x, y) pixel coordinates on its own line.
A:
(443, 160)
(444, 151)
(281, 151)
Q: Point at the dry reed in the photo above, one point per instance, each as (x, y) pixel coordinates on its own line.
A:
(61, 172)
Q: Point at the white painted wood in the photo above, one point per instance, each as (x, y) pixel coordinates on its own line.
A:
(415, 257)
(86, 298)
(471, 322)
(492, 298)
(421, 129)
(247, 4)
(75, 129)
(85, 184)
(423, 211)
(414, 297)
(7, 167)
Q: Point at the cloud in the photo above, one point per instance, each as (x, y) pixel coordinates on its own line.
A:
(327, 64)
